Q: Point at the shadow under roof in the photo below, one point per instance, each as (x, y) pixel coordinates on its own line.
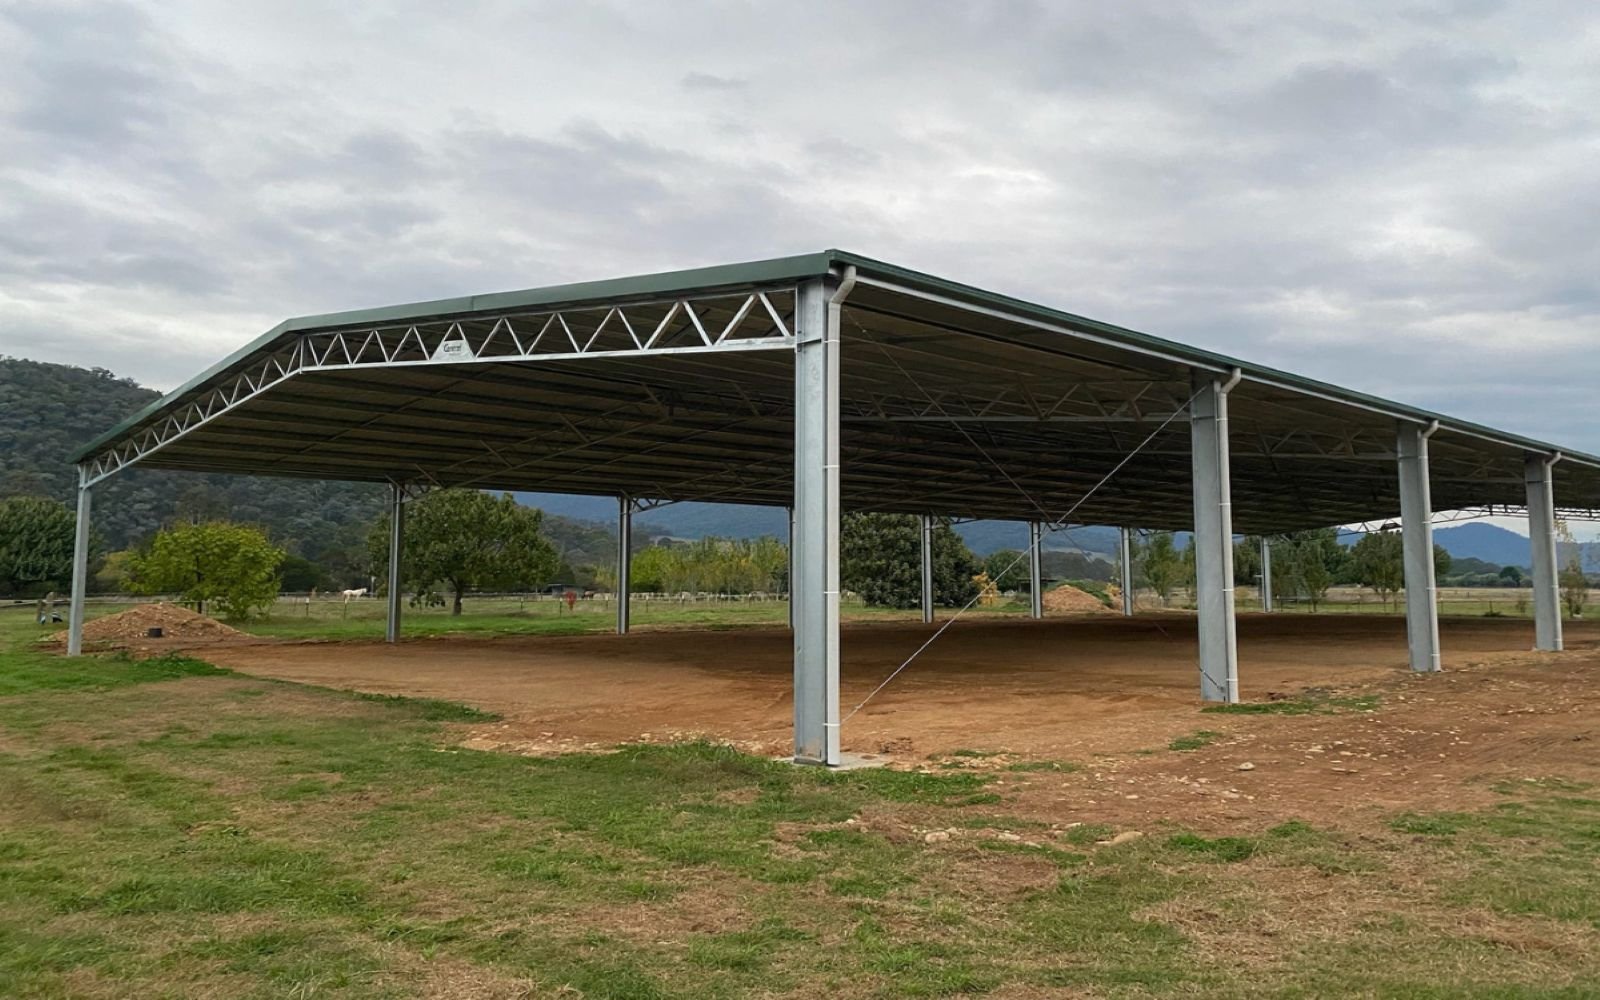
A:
(680, 386)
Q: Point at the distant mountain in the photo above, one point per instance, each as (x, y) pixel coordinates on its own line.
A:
(984, 537)
(724, 520)
(680, 520)
(1473, 540)
(48, 410)
(1491, 543)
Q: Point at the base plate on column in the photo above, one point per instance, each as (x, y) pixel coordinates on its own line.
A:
(847, 761)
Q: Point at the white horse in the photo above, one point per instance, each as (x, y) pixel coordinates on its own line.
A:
(360, 592)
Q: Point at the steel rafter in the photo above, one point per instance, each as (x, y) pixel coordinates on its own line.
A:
(1486, 510)
(760, 320)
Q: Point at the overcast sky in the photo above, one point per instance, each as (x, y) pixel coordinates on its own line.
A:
(1399, 197)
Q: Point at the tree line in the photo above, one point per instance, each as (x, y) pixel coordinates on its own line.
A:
(459, 541)
(1307, 564)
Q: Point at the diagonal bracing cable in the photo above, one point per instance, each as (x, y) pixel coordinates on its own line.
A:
(1052, 526)
(955, 422)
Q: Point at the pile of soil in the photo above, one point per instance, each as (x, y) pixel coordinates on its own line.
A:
(134, 625)
(1069, 599)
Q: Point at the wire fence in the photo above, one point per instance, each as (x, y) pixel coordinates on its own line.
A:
(1493, 602)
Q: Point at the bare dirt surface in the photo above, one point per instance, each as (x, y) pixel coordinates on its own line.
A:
(1098, 692)
(131, 629)
(1432, 743)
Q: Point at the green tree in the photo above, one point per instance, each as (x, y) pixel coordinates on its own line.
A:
(1007, 569)
(468, 539)
(1574, 582)
(232, 565)
(1378, 562)
(1511, 575)
(115, 575)
(1574, 586)
(881, 559)
(1319, 561)
(301, 574)
(36, 539)
(1159, 563)
(706, 565)
(1247, 561)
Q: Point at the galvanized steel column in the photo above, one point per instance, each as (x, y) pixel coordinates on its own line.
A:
(624, 561)
(80, 568)
(789, 514)
(1416, 532)
(397, 534)
(927, 568)
(1266, 574)
(1126, 546)
(815, 590)
(1213, 539)
(1035, 570)
(1542, 533)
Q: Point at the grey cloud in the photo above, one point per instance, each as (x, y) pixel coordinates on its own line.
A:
(93, 79)
(710, 81)
(46, 236)
(1399, 201)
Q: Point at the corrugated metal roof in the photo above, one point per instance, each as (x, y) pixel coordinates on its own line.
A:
(956, 400)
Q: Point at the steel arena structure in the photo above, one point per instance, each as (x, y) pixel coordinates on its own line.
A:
(831, 382)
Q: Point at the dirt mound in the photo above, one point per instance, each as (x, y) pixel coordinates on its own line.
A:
(1069, 599)
(134, 625)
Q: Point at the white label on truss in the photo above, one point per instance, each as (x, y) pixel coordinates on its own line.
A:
(453, 350)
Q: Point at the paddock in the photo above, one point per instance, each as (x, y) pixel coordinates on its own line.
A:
(1058, 688)
(829, 383)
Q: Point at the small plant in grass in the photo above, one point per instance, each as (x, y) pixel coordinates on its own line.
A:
(1291, 829)
(1214, 848)
(1195, 740)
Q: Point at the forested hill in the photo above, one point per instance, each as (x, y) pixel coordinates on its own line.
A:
(47, 411)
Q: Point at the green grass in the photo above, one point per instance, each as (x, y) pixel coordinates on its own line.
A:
(1195, 740)
(331, 619)
(1214, 848)
(30, 671)
(1545, 845)
(171, 829)
(1309, 704)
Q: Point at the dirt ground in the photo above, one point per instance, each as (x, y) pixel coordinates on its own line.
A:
(1101, 692)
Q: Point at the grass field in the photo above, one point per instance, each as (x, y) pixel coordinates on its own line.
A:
(170, 829)
(364, 618)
